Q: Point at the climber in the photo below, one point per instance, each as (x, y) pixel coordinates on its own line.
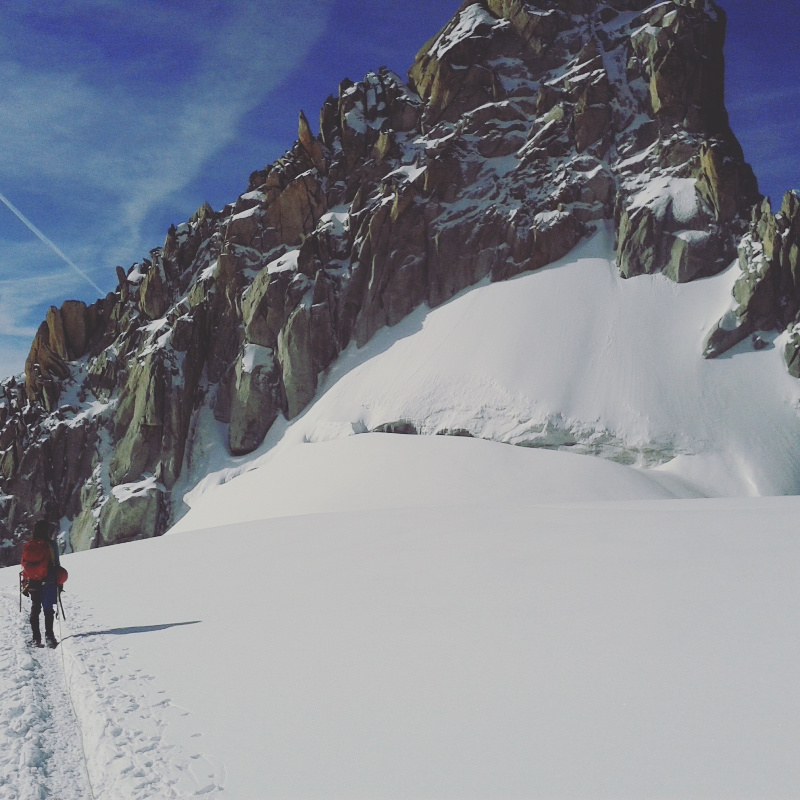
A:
(40, 569)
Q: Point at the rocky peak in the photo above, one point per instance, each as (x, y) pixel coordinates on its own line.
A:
(524, 126)
(766, 294)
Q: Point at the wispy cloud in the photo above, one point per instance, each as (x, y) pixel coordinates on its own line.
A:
(140, 134)
(113, 109)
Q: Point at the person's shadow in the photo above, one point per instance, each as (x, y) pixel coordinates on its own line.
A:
(133, 629)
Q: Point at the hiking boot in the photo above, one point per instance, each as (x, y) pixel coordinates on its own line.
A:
(52, 642)
(35, 643)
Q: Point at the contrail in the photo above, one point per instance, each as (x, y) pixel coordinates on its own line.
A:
(34, 230)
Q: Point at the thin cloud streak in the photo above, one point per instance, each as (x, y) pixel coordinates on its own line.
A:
(36, 232)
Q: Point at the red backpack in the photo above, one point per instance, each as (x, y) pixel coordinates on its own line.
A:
(35, 560)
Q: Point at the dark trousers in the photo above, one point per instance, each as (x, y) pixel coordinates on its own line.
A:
(46, 597)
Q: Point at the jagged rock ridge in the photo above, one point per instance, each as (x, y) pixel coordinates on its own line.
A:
(523, 126)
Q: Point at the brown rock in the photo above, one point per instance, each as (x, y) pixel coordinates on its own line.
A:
(551, 236)
(76, 321)
(45, 365)
(449, 76)
(537, 29)
(73, 457)
(154, 293)
(591, 123)
(395, 253)
(461, 253)
(296, 211)
(311, 145)
(726, 184)
(244, 228)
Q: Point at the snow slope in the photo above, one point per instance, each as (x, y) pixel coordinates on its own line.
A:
(571, 356)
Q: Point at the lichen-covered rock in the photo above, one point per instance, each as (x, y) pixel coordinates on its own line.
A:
(257, 398)
(264, 305)
(84, 529)
(139, 420)
(694, 254)
(153, 415)
(791, 352)
(767, 291)
(299, 371)
(132, 511)
(666, 227)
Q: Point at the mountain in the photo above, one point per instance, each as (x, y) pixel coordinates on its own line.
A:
(525, 129)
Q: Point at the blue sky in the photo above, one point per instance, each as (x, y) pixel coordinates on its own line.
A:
(120, 118)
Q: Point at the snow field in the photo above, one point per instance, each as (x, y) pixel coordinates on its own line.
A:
(123, 717)
(608, 649)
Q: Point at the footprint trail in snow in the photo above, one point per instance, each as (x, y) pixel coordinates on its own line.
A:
(119, 726)
(40, 750)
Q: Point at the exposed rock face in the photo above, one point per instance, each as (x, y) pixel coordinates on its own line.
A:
(766, 295)
(131, 513)
(297, 361)
(257, 398)
(63, 336)
(524, 126)
(688, 227)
